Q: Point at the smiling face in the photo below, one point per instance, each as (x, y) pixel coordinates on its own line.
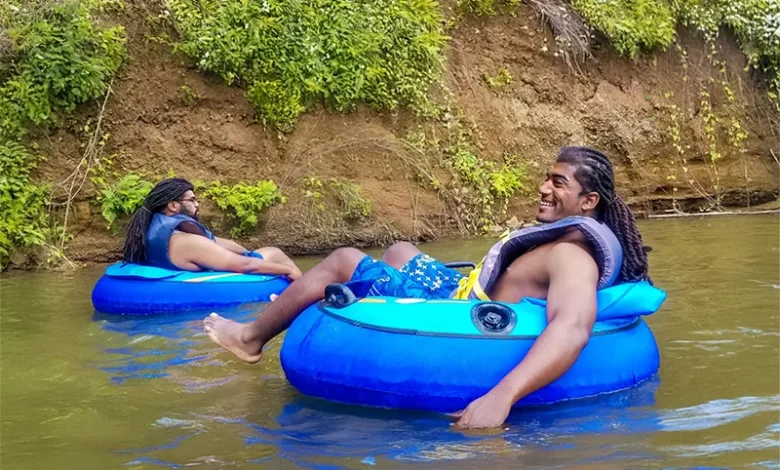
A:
(561, 195)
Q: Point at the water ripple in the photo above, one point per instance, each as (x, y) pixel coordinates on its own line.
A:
(717, 413)
(766, 440)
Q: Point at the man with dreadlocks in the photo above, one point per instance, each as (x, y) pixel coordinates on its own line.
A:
(165, 232)
(587, 240)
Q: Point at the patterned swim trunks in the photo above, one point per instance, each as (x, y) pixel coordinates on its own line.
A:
(422, 277)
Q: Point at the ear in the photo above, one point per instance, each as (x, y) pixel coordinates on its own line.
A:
(174, 207)
(590, 201)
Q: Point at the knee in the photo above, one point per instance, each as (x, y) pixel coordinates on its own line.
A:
(399, 248)
(402, 246)
(343, 259)
(340, 255)
(399, 253)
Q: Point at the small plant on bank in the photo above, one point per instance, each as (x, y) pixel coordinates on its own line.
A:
(483, 188)
(122, 198)
(499, 80)
(244, 202)
(478, 7)
(354, 206)
(188, 96)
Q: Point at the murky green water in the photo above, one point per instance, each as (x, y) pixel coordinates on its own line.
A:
(82, 392)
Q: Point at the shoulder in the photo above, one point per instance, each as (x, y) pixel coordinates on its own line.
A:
(572, 257)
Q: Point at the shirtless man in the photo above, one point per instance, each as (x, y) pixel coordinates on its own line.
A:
(165, 232)
(564, 271)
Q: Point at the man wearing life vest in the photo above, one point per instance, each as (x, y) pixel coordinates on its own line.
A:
(587, 240)
(165, 232)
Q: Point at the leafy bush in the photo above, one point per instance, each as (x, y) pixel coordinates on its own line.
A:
(485, 7)
(244, 202)
(756, 24)
(354, 206)
(122, 198)
(478, 7)
(23, 222)
(289, 54)
(62, 60)
(55, 58)
(643, 25)
(631, 25)
(484, 187)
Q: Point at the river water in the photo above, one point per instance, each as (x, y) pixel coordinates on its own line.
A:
(79, 391)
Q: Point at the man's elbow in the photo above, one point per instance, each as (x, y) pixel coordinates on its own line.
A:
(577, 334)
(580, 337)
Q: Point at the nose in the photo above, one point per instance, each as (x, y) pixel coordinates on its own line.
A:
(545, 188)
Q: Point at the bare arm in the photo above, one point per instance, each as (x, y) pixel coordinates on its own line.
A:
(571, 313)
(195, 252)
(230, 245)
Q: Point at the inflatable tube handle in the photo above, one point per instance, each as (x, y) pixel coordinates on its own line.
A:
(460, 264)
(339, 296)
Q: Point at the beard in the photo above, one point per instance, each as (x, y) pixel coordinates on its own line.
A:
(194, 214)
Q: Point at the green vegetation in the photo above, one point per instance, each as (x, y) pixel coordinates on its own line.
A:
(53, 58)
(499, 80)
(23, 220)
(289, 55)
(633, 26)
(755, 23)
(477, 191)
(484, 187)
(244, 202)
(121, 198)
(188, 96)
(484, 7)
(353, 206)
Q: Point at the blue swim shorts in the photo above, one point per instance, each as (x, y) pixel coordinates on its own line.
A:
(422, 277)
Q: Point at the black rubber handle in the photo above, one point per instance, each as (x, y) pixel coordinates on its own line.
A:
(339, 296)
(460, 264)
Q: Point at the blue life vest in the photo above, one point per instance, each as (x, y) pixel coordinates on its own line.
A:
(609, 253)
(159, 234)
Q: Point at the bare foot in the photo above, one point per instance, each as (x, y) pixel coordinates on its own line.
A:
(227, 334)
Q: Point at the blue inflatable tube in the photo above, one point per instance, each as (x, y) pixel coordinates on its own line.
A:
(439, 355)
(133, 289)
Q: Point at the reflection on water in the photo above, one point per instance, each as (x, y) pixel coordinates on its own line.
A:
(80, 390)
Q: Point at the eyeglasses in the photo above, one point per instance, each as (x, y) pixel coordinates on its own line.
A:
(192, 200)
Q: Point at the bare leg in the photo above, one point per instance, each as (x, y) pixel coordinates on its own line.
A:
(246, 340)
(271, 253)
(399, 254)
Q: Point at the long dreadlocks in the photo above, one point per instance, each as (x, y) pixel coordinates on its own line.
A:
(163, 192)
(594, 172)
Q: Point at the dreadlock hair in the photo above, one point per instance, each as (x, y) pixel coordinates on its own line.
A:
(594, 172)
(163, 192)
